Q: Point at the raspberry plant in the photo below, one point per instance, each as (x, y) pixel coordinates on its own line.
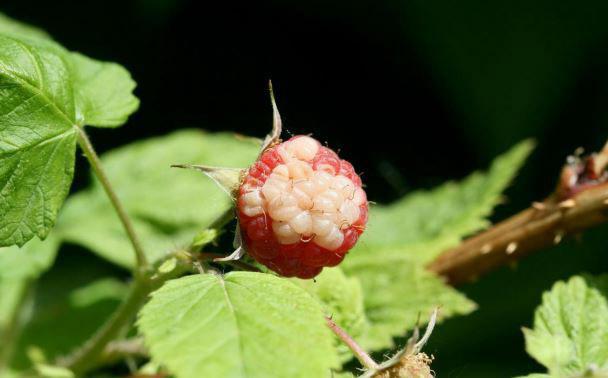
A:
(195, 308)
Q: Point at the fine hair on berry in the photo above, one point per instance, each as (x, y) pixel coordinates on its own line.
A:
(300, 208)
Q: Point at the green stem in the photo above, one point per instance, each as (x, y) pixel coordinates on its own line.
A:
(89, 151)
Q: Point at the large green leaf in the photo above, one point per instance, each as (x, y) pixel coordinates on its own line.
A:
(570, 334)
(402, 237)
(399, 294)
(37, 138)
(342, 300)
(240, 325)
(89, 220)
(46, 93)
(167, 205)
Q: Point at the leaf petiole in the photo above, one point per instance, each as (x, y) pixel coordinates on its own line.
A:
(85, 144)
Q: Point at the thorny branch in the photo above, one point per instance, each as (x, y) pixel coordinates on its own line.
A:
(579, 202)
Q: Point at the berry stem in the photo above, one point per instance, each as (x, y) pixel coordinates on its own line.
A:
(540, 226)
(359, 352)
(87, 147)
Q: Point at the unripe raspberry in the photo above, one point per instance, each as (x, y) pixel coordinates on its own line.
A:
(300, 208)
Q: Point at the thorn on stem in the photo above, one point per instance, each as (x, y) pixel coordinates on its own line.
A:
(559, 235)
(511, 247)
(567, 204)
(539, 206)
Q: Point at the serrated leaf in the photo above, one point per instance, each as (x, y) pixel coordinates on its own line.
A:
(168, 206)
(46, 92)
(104, 92)
(37, 139)
(342, 299)
(243, 324)
(425, 223)
(570, 334)
(402, 237)
(399, 294)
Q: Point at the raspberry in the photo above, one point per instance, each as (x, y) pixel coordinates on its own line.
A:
(300, 208)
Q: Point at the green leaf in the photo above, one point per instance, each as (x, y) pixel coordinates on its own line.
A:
(29, 261)
(152, 190)
(104, 92)
(97, 291)
(104, 235)
(399, 294)
(570, 334)
(37, 139)
(240, 325)
(46, 92)
(402, 237)
(425, 223)
(342, 299)
(168, 206)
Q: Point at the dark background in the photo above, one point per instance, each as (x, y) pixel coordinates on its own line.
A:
(413, 92)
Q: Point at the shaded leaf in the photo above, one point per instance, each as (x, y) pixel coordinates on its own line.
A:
(168, 206)
(240, 325)
(89, 220)
(58, 305)
(29, 261)
(97, 291)
(18, 268)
